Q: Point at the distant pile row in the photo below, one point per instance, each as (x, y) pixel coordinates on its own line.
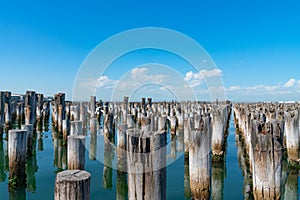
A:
(32, 107)
(142, 128)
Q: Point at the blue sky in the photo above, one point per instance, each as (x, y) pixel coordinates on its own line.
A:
(255, 44)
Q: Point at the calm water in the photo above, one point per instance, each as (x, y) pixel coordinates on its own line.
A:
(49, 158)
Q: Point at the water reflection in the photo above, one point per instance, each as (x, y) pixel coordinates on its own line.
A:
(187, 188)
(243, 161)
(290, 182)
(93, 147)
(121, 191)
(173, 147)
(60, 152)
(31, 169)
(218, 175)
(2, 162)
(93, 139)
(291, 187)
(107, 170)
(17, 193)
(40, 141)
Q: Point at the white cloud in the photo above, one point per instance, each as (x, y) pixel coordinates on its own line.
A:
(188, 76)
(105, 82)
(257, 88)
(271, 88)
(196, 79)
(138, 73)
(232, 88)
(141, 75)
(290, 83)
(167, 88)
(211, 73)
(281, 91)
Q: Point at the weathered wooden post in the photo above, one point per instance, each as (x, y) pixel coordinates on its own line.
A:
(149, 102)
(291, 131)
(139, 117)
(75, 112)
(143, 105)
(197, 119)
(134, 112)
(39, 106)
(83, 115)
(76, 128)
(93, 126)
(68, 109)
(13, 110)
(158, 173)
(152, 125)
(46, 110)
(30, 107)
(17, 144)
(76, 152)
(266, 164)
(173, 122)
(125, 109)
(66, 129)
(2, 100)
(188, 125)
(180, 120)
(130, 121)
(145, 124)
(218, 127)
(146, 162)
(72, 184)
(19, 110)
(93, 140)
(162, 123)
(29, 129)
(7, 108)
(93, 106)
(108, 128)
(59, 100)
(121, 141)
(200, 159)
